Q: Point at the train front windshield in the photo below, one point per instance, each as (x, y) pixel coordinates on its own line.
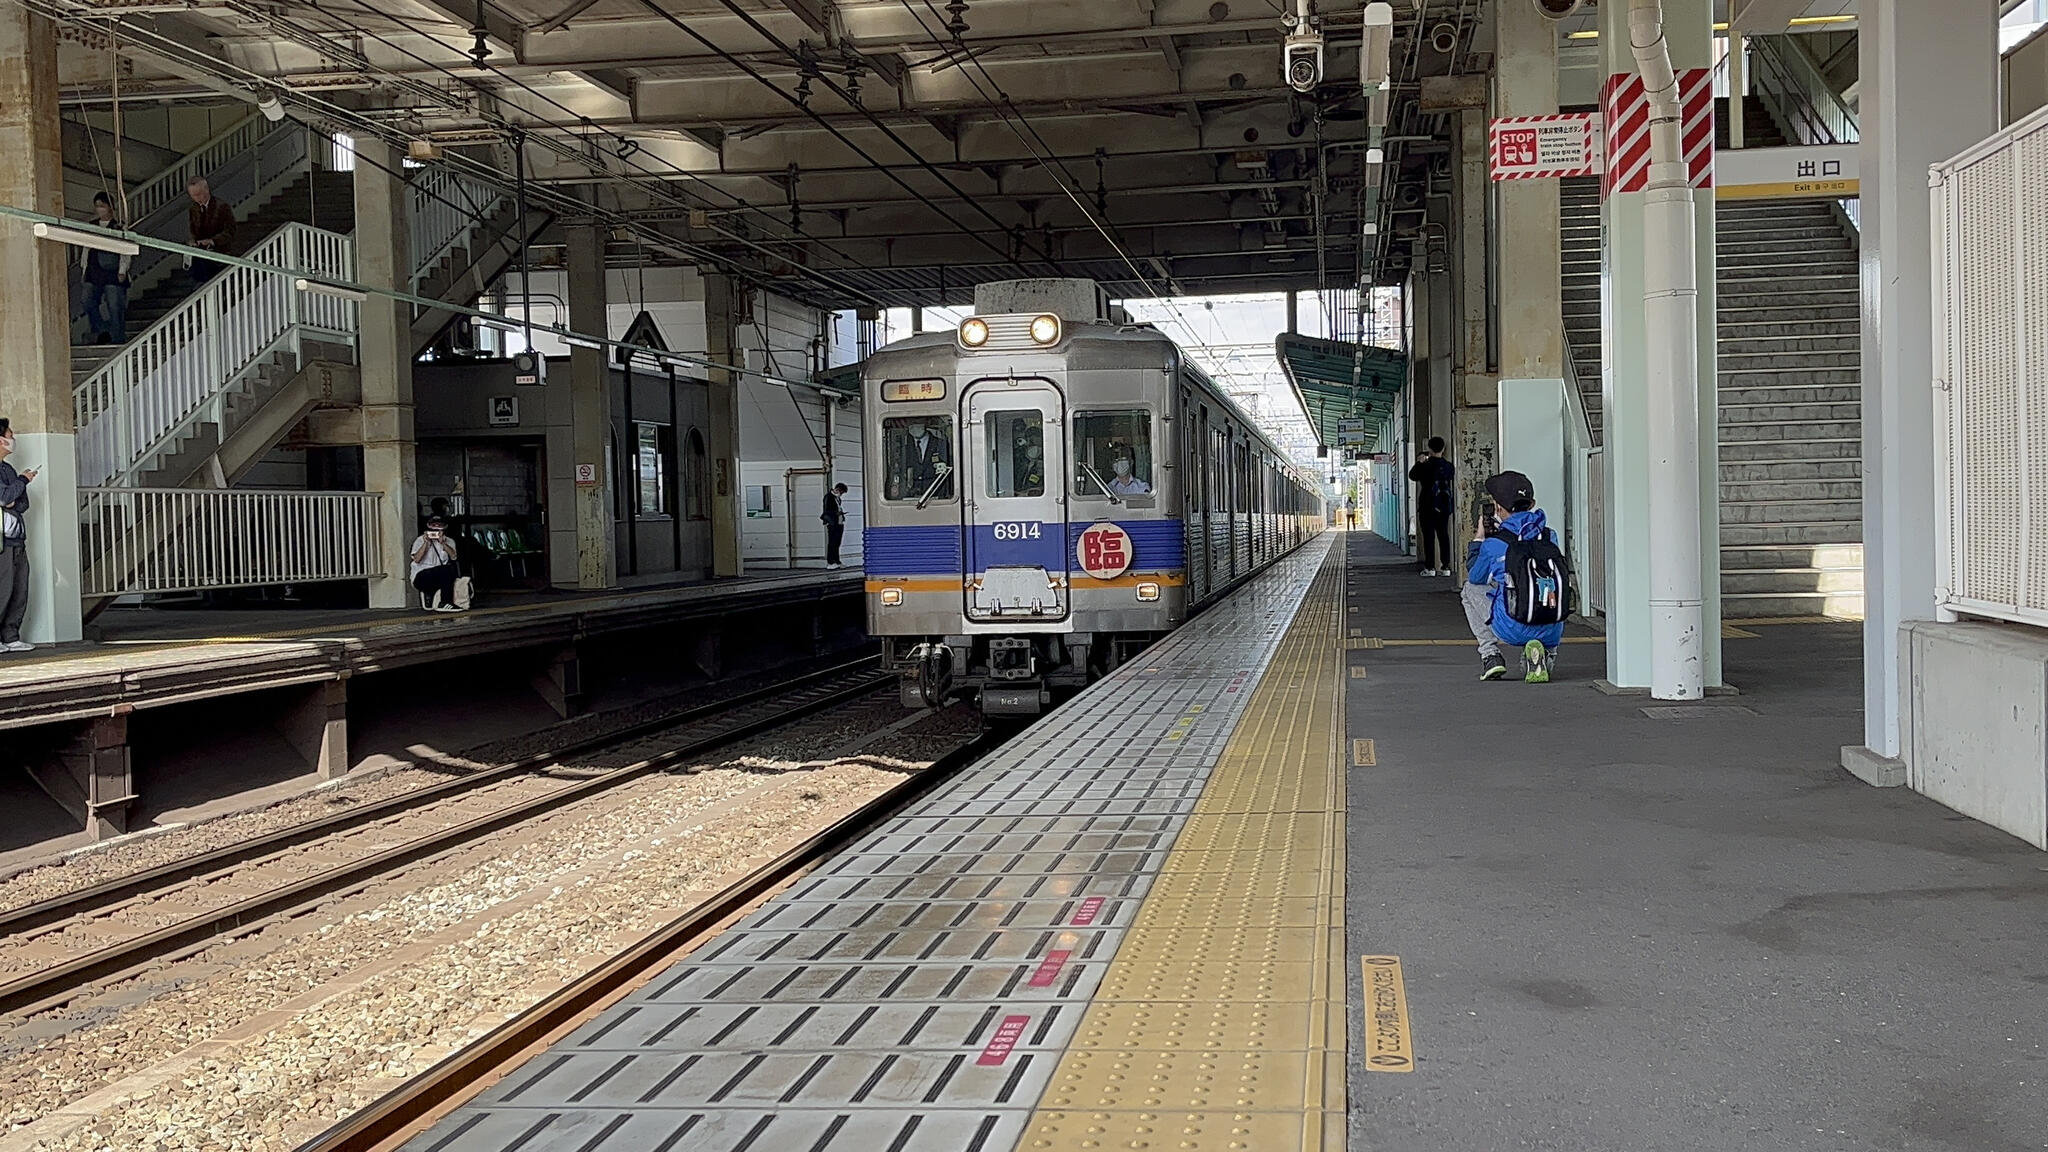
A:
(1113, 450)
(920, 458)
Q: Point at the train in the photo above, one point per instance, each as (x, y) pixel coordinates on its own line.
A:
(1050, 489)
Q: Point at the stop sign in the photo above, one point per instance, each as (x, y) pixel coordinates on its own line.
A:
(1104, 551)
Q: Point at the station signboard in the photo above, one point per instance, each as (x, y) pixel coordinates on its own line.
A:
(1351, 433)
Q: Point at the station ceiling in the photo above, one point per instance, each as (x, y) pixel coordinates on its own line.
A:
(857, 152)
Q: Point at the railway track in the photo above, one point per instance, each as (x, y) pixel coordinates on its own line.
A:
(58, 948)
(401, 1112)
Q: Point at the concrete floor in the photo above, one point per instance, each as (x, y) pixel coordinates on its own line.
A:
(1630, 933)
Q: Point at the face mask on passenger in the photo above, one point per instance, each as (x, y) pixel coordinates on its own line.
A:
(916, 431)
(1123, 468)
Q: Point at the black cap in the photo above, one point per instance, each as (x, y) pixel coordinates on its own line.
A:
(1512, 491)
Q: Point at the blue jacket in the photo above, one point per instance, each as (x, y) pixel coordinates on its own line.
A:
(1486, 563)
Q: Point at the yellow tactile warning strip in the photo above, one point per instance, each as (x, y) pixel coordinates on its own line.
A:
(1220, 1022)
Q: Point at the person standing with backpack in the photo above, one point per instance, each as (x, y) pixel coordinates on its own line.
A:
(1518, 586)
(1435, 502)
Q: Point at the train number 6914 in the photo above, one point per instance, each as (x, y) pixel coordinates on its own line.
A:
(1019, 530)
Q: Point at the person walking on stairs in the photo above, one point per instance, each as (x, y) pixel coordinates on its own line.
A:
(1435, 502)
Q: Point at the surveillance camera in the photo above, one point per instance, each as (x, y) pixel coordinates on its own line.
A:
(1304, 61)
(1558, 9)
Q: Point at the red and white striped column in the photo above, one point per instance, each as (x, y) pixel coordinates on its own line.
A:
(1625, 355)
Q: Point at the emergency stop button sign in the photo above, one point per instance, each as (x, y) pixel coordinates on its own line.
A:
(1104, 551)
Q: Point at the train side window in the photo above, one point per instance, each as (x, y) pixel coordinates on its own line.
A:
(1016, 453)
(917, 458)
(1113, 449)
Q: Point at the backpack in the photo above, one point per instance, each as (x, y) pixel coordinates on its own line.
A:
(1539, 580)
(1441, 498)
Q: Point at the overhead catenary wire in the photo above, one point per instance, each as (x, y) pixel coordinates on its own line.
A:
(800, 105)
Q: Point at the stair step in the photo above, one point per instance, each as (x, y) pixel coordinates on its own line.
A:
(1791, 581)
(1757, 450)
(1795, 395)
(1813, 557)
(1788, 491)
(1789, 534)
(1790, 361)
(1841, 605)
(1790, 344)
(1792, 512)
(1793, 431)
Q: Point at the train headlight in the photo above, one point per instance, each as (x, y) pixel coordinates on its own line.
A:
(1148, 592)
(1046, 330)
(891, 597)
(974, 332)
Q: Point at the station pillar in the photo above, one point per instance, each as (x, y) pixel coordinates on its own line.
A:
(590, 411)
(35, 325)
(1530, 244)
(721, 322)
(1929, 91)
(1474, 391)
(1625, 350)
(384, 347)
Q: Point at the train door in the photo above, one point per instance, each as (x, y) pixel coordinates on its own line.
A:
(1015, 507)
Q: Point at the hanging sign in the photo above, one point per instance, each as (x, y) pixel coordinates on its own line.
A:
(1351, 432)
(1544, 147)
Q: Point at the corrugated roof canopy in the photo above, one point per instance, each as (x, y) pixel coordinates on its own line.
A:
(1338, 381)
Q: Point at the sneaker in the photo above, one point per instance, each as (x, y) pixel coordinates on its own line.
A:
(1535, 663)
(1492, 668)
(448, 608)
(17, 646)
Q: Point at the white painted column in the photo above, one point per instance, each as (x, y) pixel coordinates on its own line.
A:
(384, 348)
(1625, 378)
(35, 325)
(1929, 90)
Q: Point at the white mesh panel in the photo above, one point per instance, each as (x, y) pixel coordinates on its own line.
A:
(1987, 388)
(2031, 233)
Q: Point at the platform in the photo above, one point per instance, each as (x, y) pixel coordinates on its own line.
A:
(149, 657)
(1119, 931)
(1560, 919)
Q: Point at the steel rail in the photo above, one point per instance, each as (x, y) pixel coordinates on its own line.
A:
(58, 983)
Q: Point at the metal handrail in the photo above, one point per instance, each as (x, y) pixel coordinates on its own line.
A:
(1802, 98)
(144, 540)
(448, 209)
(150, 396)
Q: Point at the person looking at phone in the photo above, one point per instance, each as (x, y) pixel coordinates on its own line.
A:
(1517, 582)
(433, 567)
(13, 545)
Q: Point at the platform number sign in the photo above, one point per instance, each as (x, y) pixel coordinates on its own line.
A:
(1104, 551)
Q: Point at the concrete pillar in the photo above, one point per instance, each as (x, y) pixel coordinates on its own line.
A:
(316, 725)
(590, 409)
(560, 680)
(1625, 375)
(1474, 433)
(1930, 90)
(1738, 87)
(1532, 295)
(91, 775)
(384, 345)
(720, 327)
(35, 325)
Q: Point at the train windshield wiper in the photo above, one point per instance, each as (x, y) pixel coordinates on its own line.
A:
(1093, 475)
(944, 471)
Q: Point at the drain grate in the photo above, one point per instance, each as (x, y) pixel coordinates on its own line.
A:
(1696, 711)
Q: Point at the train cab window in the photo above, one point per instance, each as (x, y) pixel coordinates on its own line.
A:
(1016, 453)
(917, 458)
(1113, 451)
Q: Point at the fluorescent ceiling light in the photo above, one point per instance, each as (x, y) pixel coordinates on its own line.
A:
(322, 288)
(575, 341)
(1722, 26)
(82, 238)
(1375, 54)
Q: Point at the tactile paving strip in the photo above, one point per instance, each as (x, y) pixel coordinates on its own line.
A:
(1220, 1022)
(917, 992)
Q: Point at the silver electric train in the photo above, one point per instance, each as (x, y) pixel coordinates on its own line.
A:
(1049, 491)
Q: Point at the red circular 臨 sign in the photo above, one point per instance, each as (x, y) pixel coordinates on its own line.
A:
(1104, 551)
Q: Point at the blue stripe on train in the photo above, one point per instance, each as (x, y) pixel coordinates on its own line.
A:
(926, 549)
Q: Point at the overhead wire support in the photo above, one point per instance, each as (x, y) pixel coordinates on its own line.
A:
(909, 150)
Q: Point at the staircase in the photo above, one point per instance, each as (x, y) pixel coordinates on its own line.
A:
(319, 198)
(1789, 356)
(1790, 353)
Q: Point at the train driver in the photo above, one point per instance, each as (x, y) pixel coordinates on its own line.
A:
(1124, 483)
(924, 451)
